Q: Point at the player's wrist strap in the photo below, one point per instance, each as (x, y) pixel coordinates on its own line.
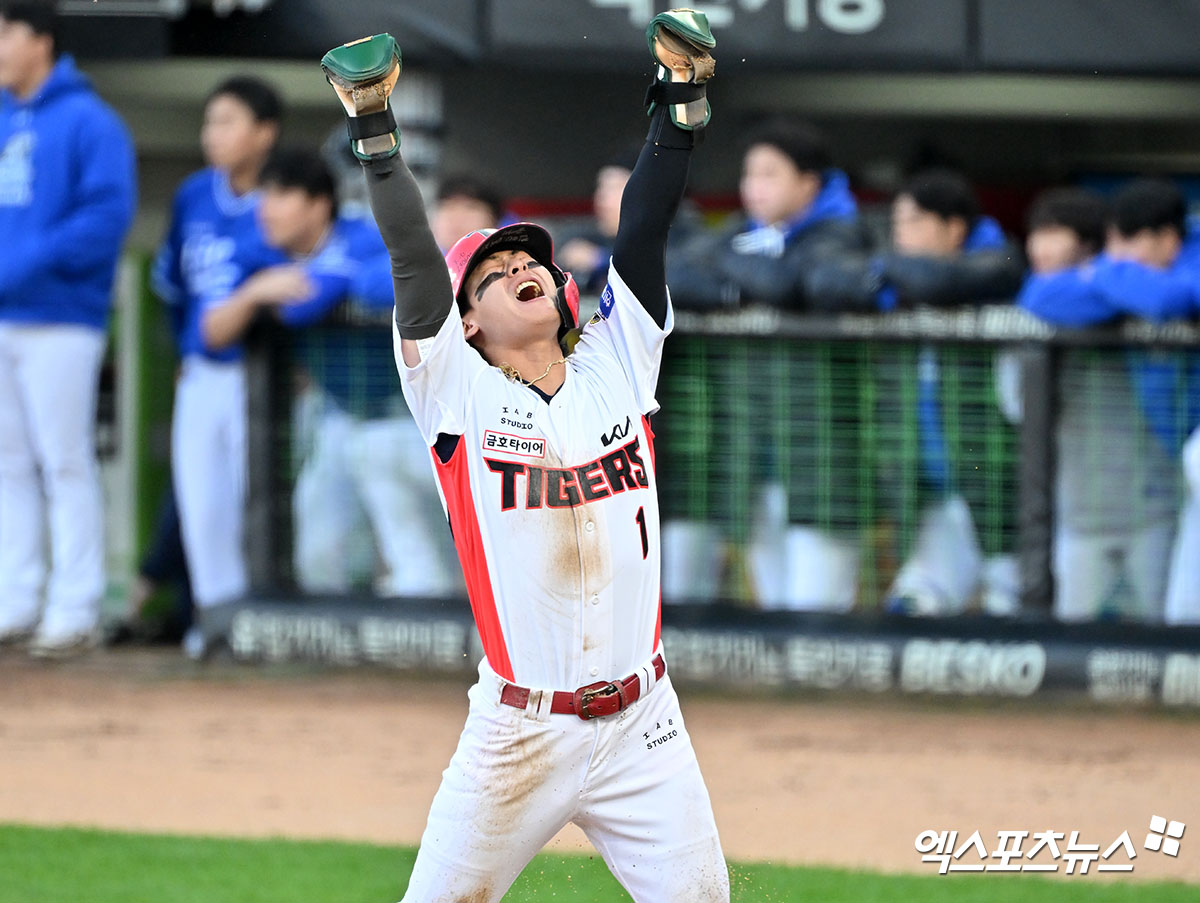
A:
(674, 92)
(371, 125)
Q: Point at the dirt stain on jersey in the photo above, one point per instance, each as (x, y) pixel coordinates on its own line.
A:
(563, 559)
(572, 551)
(568, 562)
(595, 553)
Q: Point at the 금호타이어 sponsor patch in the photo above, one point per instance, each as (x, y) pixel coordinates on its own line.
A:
(530, 446)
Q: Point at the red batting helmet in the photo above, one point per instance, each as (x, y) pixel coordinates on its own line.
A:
(534, 240)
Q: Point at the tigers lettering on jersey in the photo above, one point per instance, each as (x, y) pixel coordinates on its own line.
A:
(555, 487)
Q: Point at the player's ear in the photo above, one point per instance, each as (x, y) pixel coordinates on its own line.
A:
(959, 230)
(266, 134)
(470, 327)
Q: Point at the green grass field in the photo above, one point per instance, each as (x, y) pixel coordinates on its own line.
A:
(39, 865)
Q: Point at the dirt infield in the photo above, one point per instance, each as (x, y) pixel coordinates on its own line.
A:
(143, 740)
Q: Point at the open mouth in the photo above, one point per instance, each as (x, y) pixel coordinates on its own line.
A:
(528, 290)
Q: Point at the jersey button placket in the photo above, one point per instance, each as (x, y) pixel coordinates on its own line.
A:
(596, 629)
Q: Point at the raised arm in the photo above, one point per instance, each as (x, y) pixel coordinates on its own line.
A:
(364, 73)
(680, 41)
(419, 277)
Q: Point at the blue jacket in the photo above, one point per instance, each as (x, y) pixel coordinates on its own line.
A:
(753, 263)
(373, 287)
(352, 263)
(355, 366)
(1167, 382)
(67, 198)
(989, 269)
(1107, 289)
(213, 243)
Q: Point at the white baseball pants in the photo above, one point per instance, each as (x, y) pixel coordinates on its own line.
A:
(944, 568)
(1183, 587)
(390, 463)
(49, 476)
(630, 782)
(383, 465)
(208, 463)
(332, 547)
(1103, 573)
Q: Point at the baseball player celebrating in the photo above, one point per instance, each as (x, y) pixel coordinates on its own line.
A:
(546, 468)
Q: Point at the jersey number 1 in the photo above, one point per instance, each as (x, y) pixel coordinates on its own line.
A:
(641, 522)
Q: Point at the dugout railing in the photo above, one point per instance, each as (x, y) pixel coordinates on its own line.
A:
(865, 419)
(840, 409)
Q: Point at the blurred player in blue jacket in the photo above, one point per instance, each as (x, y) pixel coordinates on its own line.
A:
(797, 210)
(363, 484)
(311, 259)
(1123, 416)
(67, 198)
(311, 262)
(1150, 266)
(213, 226)
(944, 252)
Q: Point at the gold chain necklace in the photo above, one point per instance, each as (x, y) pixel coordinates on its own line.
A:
(511, 372)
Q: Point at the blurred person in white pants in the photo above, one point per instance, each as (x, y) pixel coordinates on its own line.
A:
(212, 239)
(311, 260)
(67, 197)
(368, 466)
(389, 462)
(367, 456)
(368, 477)
(1116, 480)
(943, 252)
(332, 547)
(1183, 583)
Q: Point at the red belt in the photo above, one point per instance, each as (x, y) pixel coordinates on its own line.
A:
(593, 701)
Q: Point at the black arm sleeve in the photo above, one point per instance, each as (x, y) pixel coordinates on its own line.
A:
(648, 206)
(420, 279)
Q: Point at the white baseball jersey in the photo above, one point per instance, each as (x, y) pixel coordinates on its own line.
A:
(554, 513)
(553, 505)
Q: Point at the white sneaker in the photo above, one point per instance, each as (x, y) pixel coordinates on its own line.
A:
(59, 638)
(1002, 586)
(193, 644)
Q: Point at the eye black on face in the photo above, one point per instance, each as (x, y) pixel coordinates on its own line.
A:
(486, 281)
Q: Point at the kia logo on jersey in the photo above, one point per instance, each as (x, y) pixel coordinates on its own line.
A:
(554, 487)
(618, 432)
